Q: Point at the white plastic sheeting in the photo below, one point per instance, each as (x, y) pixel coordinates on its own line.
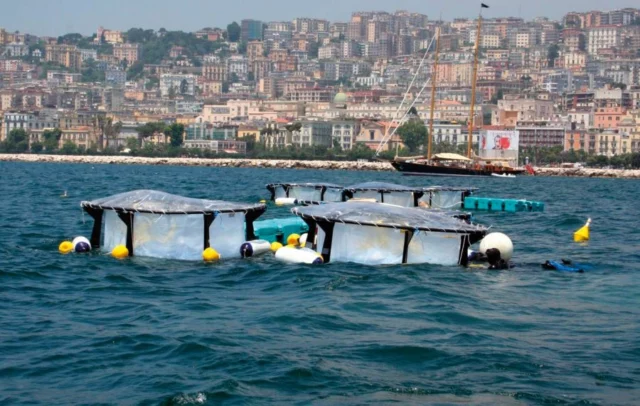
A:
(333, 195)
(434, 248)
(404, 199)
(445, 199)
(308, 193)
(368, 194)
(227, 234)
(169, 236)
(280, 192)
(115, 231)
(320, 236)
(367, 245)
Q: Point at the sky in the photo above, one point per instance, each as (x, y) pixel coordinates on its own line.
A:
(57, 17)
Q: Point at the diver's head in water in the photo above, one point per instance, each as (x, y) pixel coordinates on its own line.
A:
(493, 256)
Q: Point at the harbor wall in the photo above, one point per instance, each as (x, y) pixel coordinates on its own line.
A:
(286, 164)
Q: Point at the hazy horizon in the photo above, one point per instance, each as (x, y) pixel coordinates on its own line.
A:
(54, 18)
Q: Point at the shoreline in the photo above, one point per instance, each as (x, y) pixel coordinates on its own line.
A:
(208, 162)
(285, 164)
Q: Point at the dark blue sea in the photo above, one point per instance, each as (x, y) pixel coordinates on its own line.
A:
(88, 329)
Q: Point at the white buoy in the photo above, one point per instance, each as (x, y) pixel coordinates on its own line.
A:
(286, 201)
(298, 256)
(499, 241)
(303, 239)
(254, 248)
(81, 244)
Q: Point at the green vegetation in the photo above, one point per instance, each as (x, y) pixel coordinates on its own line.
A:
(156, 46)
(135, 70)
(553, 54)
(152, 83)
(413, 134)
(109, 130)
(51, 139)
(498, 96)
(69, 148)
(175, 133)
(556, 156)
(90, 72)
(233, 32)
(149, 129)
(47, 66)
(17, 141)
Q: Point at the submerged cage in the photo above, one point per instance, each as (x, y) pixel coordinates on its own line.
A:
(382, 234)
(309, 192)
(158, 224)
(435, 197)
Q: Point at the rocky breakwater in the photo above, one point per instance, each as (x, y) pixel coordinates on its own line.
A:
(590, 173)
(223, 162)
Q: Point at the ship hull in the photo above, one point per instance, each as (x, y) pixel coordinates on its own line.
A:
(425, 169)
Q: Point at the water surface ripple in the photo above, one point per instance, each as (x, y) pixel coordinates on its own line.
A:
(87, 329)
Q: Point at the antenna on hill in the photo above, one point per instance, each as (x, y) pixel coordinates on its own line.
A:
(520, 9)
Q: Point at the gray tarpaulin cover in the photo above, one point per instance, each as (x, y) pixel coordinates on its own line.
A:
(385, 215)
(153, 201)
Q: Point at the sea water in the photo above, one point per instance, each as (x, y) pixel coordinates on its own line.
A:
(89, 329)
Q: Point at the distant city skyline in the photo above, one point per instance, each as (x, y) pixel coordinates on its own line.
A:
(54, 18)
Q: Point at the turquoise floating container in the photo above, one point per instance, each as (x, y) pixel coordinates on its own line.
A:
(279, 229)
(513, 206)
(496, 205)
(292, 225)
(483, 203)
(266, 230)
(471, 203)
(507, 205)
(537, 206)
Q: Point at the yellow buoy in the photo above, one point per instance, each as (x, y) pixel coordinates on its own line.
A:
(582, 234)
(275, 246)
(120, 252)
(210, 255)
(293, 239)
(263, 201)
(65, 247)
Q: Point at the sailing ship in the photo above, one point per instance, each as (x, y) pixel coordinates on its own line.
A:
(448, 164)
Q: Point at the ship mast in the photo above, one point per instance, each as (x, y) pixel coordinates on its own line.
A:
(434, 78)
(473, 84)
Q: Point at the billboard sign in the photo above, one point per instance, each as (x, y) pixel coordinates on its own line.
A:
(499, 140)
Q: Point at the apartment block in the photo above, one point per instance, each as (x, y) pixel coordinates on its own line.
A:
(129, 52)
(65, 55)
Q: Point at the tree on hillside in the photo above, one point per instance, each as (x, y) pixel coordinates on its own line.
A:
(413, 134)
(149, 129)
(70, 39)
(52, 139)
(69, 148)
(110, 130)
(139, 35)
(314, 47)
(497, 96)
(184, 87)
(552, 54)
(242, 48)
(233, 32)
(90, 72)
(135, 70)
(17, 141)
(175, 132)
